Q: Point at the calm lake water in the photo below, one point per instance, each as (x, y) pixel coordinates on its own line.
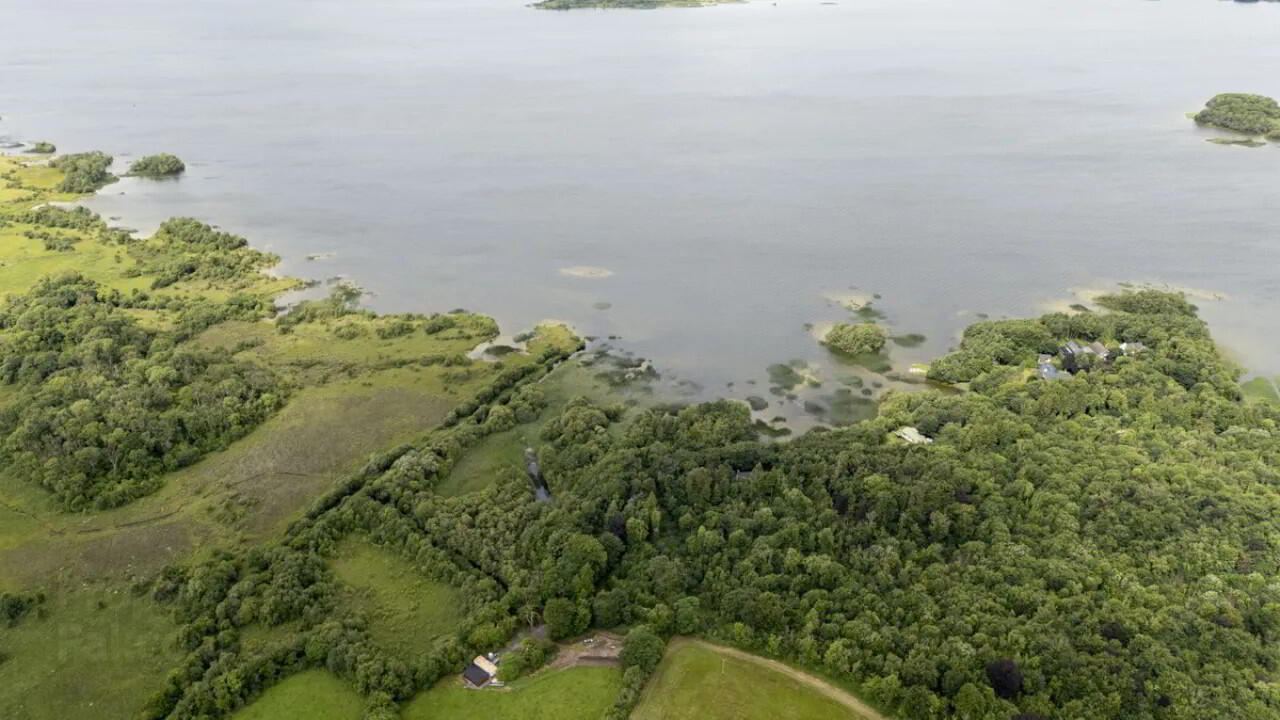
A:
(735, 167)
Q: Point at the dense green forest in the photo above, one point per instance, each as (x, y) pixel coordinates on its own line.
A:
(103, 407)
(1098, 545)
(1242, 112)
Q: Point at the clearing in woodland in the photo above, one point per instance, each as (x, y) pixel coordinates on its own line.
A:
(701, 681)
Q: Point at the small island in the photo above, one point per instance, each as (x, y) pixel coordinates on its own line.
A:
(157, 166)
(1243, 113)
(42, 148)
(859, 339)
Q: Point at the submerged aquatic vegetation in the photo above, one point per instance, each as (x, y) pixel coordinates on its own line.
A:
(909, 340)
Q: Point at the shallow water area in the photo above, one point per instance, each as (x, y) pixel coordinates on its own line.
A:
(735, 170)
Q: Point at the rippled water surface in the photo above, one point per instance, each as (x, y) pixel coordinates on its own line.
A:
(738, 169)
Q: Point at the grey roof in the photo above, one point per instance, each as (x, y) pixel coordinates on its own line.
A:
(476, 675)
(1073, 347)
(1099, 349)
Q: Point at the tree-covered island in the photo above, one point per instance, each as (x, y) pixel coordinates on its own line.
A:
(1244, 113)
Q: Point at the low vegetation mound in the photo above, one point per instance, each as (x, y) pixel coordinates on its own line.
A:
(858, 339)
(158, 165)
(1242, 112)
(42, 148)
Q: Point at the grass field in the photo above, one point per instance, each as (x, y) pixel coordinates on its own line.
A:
(100, 653)
(406, 610)
(697, 683)
(580, 693)
(1260, 389)
(504, 451)
(309, 695)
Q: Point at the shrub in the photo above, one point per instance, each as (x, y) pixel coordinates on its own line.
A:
(438, 323)
(43, 148)
(856, 339)
(531, 654)
(643, 649)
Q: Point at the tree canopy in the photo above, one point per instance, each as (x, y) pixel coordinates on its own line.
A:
(85, 172)
(1242, 112)
(856, 339)
(158, 165)
(104, 407)
(1098, 545)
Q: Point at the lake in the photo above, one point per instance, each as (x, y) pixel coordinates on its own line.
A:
(739, 169)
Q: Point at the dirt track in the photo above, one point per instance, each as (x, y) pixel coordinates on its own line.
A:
(841, 696)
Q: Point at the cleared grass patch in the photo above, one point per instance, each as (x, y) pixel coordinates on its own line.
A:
(697, 683)
(406, 610)
(580, 693)
(99, 653)
(1260, 389)
(309, 695)
(504, 451)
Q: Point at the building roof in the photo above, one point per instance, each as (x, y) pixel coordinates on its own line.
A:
(1048, 371)
(476, 675)
(484, 664)
(1099, 349)
(912, 435)
(1072, 347)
